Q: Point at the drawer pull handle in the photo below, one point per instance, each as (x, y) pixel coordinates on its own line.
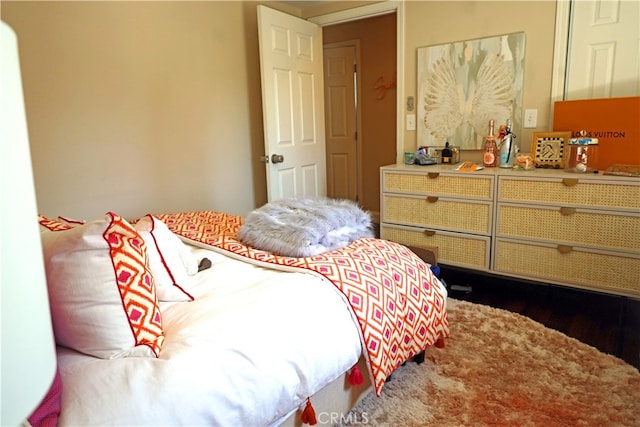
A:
(567, 211)
(433, 175)
(429, 233)
(432, 199)
(569, 182)
(564, 249)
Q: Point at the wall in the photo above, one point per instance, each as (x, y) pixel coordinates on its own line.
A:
(377, 38)
(143, 107)
(436, 22)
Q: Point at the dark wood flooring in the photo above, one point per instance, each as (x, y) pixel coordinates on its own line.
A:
(609, 323)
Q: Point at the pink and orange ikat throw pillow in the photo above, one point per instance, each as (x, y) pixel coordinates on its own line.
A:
(48, 224)
(171, 262)
(101, 291)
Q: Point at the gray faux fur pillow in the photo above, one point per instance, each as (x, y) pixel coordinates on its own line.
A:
(305, 227)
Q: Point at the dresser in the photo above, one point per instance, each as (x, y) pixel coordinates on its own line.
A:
(579, 230)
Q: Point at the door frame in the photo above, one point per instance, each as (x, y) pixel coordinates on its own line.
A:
(369, 11)
(356, 44)
(560, 51)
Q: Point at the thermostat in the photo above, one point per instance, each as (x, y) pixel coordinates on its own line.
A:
(410, 103)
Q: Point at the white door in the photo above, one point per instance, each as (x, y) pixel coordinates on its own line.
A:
(340, 122)
(292, 104)
(604, 57)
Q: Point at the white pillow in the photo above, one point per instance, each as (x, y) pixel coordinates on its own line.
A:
(189, 260)
(101, 292)
(165, 259)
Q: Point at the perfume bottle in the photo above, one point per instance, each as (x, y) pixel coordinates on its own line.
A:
(490, 156)
(508, 147)
(447, 154)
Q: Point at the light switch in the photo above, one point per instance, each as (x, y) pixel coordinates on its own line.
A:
(411, 122)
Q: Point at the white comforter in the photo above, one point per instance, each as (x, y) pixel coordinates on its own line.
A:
(248, 351)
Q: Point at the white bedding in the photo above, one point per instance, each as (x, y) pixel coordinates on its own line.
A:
(249, 350)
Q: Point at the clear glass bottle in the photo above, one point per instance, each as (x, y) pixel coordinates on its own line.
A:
(508, 148)
(490, 155)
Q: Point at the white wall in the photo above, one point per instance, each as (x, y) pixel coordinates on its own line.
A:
(141, 107)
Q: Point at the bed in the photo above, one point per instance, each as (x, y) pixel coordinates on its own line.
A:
(195, 327)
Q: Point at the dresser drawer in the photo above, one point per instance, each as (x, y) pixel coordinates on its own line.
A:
(570, 191)
(437, 212)
(583, 227)
(616, 273)
(457, 249)
(435, 183)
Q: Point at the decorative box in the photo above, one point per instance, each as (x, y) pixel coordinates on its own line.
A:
(613, 121)
(436, 153)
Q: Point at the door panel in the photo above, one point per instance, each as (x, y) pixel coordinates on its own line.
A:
(307, 110)
(340, 115)
(283, 125)
(604, 55)
(293, 104)
(310, 179)
(286, 182)
(338, 176)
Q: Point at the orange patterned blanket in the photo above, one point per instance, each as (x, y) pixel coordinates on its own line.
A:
(399, 304)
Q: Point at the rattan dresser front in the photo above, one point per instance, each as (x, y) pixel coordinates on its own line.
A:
(578, 230)
(435, 206)
(572, 229)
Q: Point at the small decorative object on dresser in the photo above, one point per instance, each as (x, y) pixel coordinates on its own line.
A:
(548, 149)
(490, 155)
(582, 154)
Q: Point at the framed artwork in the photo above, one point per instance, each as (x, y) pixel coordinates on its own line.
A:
(463, 85)
(549, 149)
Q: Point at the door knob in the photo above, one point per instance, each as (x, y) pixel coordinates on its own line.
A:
(277, 158)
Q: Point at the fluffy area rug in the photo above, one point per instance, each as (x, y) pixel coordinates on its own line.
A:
(305, 227)
(503, 369)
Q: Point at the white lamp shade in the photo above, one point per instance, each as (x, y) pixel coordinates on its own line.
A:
(27, 348)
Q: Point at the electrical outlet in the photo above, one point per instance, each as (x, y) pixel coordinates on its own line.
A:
(411, 122)
(530, 118)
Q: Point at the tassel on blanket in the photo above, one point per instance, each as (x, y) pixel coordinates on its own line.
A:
(440, 343)
(309, 415)
(355, 376)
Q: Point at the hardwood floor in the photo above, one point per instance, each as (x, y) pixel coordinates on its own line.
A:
(609, 323)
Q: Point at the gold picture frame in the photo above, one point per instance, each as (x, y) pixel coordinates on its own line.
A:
(549, 149)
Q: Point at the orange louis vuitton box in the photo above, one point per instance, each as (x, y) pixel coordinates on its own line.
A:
(614, 121)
